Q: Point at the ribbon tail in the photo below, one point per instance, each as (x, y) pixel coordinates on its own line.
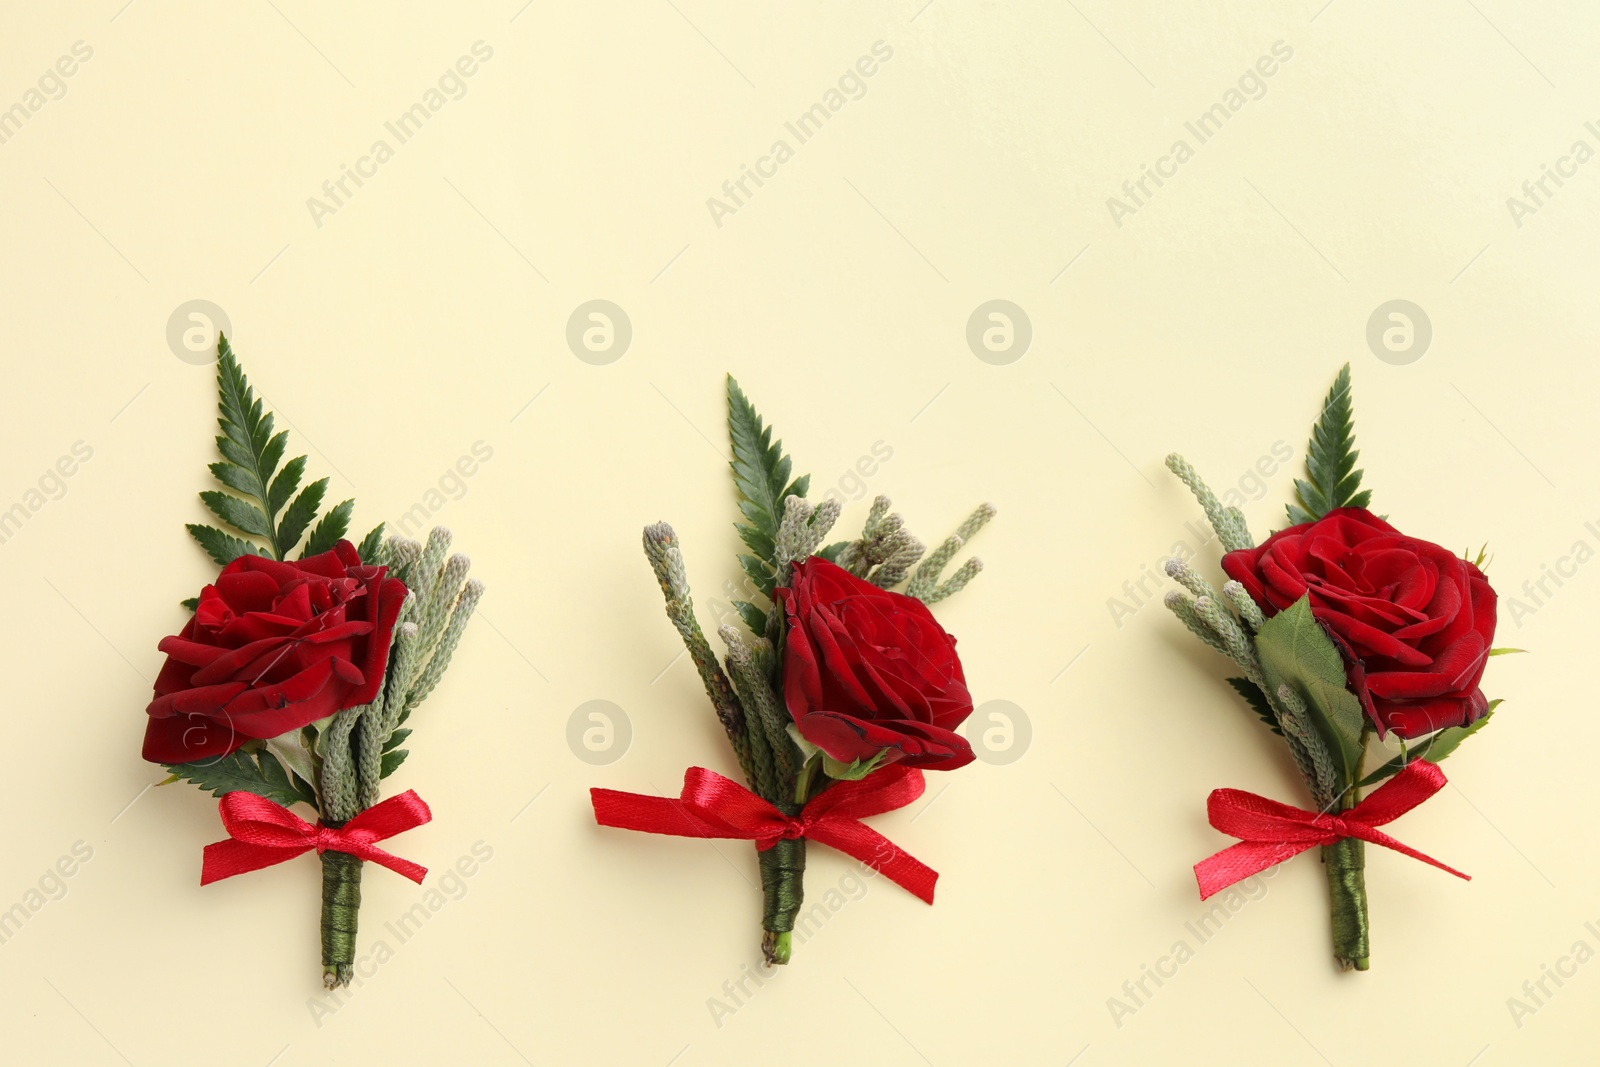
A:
(1238, 862)
(1378, 837)
(403, 867)
(224, 859)
(860, 841)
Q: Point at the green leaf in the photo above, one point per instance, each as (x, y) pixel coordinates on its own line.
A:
(1433, 748)
(192, 603)
(761, 476)
(370, 544)
(240, 514)
(852, 772)
(299, 515)
(753, 616)
(395, 739)
(1505, 651)
(760, 573)
(236, 478)
(239, 772)
(1295, 651)
(332, 527)
(248, 443)
(284, 485)
(391, 760)
(222, 547)
(1332, 480)
(1258, 702)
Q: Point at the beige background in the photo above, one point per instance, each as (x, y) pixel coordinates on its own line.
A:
(428, 313)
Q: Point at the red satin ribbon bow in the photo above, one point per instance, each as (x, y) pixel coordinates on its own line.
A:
(1271, 832)
(262, 833)
(713, 806)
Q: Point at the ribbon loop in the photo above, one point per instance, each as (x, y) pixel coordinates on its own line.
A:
(263, 833)
(711, 806)
(1270, 832)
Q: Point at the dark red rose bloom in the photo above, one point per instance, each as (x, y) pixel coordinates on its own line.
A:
(272, 647)
(866, 669)
(1414, 620)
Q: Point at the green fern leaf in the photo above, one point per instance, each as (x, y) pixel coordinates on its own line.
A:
(370, 544)
(237, 512)
(251, 453)
(753, 616)
(760, 572)
(239, 771)
(1258, 702)
(1332, 480)
(761, 476)
(333, 526)
(220, 546)
(284, 485)
(298, 515)
(251, 457)
(392, 760)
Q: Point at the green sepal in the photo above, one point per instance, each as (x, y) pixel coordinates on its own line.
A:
(1434, 747)
(1295, 651)
(852, 772)
(1257, 700)
(1332, 479)
(193, 603)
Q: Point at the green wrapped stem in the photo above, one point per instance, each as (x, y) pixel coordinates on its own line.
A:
(1346, 863)
(341, 906)
(783, 871)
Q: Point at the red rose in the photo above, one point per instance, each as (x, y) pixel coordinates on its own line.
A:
(1414, 619)
(272, 647)
(867, 669)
